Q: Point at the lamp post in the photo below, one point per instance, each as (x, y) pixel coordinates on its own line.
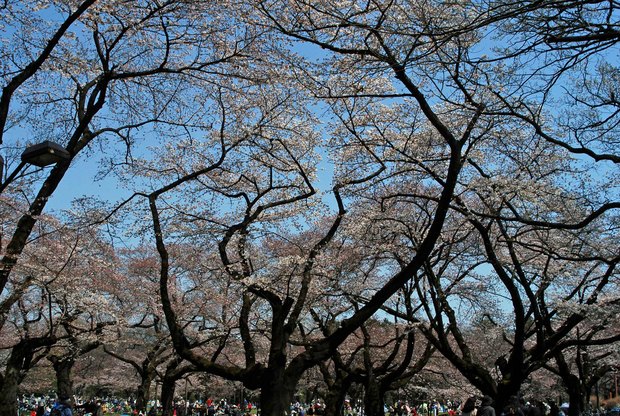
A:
(41, 154)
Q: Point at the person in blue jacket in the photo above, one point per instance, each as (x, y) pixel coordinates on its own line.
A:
(62, 407)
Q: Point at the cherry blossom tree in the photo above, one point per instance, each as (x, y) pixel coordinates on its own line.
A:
(583, 366)
(142, 340)
(473, 154)
(279, 181)
(534, 300)
(63, 364)
(377, 145)
(145, 360)
(383, 366)
(498, 71)
(62, 310)
(92, 76)
(383, 356)
(97, 374)
(175, 371)
(96, 61)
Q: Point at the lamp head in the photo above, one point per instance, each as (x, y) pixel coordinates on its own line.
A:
(45, 154)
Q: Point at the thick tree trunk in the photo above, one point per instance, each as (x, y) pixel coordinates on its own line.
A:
(337, 392)
(64, 383)
(8, 391)
(277, 393)
(373, 400)
(502, 398)
(19, 362)
(142, 395)
(577, 391)
(509, 387)
(576, 395)
(167, 396)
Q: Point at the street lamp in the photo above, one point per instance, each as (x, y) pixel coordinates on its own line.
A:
(41, 154)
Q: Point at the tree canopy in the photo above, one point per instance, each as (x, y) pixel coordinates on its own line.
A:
(297, 172)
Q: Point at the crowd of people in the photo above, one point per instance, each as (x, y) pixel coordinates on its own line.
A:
(48, 405)
(477, 406)
(473, 406)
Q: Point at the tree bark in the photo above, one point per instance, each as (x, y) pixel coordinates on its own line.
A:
(142, 395)
(63, 368)
(277, 393)
(19, 362)
(510, 386)
(337, 392)
(146, 369)
(373, 400)
(8, 390)
(167, 396)
(576, 396)
(576, 389)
